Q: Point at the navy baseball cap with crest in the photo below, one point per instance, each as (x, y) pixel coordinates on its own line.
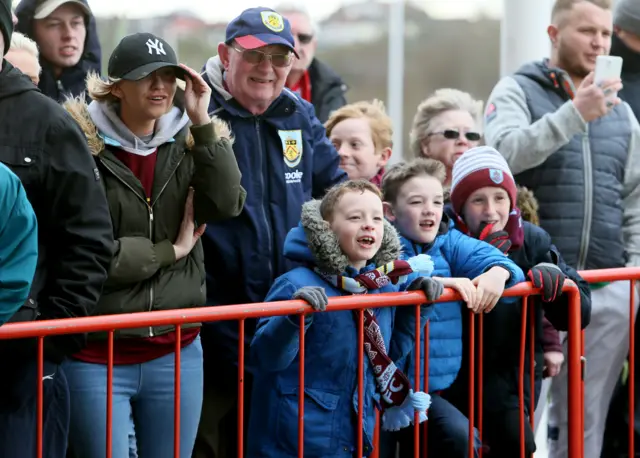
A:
(258, 27)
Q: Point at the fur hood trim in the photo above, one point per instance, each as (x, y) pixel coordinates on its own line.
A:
(326, 250)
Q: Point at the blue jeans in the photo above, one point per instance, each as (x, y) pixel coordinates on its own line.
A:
(143, 411)
(18, 404)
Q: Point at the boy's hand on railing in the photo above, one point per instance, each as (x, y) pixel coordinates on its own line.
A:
(432, 288)
(489, 288)
(464, 287)
(314, 295)
(550, 278)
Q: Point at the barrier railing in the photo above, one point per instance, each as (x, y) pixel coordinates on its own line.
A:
(108, 324)
(631, 274)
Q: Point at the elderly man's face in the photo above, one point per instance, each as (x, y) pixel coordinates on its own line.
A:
(256, 77)
(26, 63)
(305, 38)
(61, 35)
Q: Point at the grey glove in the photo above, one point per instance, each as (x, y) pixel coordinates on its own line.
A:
(314, 295)
(433, 289)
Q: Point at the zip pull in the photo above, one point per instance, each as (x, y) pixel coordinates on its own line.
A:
(60, 86)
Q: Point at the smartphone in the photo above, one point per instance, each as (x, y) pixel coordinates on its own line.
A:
(607, 67)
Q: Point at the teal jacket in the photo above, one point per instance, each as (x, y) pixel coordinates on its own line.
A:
(18, 244)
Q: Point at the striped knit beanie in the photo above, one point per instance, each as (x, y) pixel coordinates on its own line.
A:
(477, 168)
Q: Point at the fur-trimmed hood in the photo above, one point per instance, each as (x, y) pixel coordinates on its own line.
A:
(313, 242)
(528, 205)
(79, 111)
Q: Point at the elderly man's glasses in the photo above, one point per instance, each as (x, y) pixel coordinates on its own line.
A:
(451, 134)
(304, 38)
(255, 57)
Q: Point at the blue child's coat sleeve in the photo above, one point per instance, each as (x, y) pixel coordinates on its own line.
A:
(276, 341)
(469, 257)
(18, 245)
(403, 337)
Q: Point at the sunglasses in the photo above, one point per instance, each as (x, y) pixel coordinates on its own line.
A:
(255, 57)
(451, 134)
(305, 38)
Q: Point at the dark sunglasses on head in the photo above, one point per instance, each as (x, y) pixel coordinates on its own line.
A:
(305, 38)
(451, 134)
(255, 57)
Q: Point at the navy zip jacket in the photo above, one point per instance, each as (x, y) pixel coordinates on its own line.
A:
(285, 159)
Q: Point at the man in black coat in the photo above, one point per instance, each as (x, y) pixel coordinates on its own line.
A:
(41, 144)
(65, 31)
(313, 80)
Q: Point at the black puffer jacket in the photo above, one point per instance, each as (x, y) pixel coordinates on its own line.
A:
(72, 80)
(327, 90)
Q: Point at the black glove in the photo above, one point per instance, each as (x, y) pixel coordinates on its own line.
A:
(433, 289)
(550, 278)
(499, 239)
(314, 295)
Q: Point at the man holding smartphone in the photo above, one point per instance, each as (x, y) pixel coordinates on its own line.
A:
(577, 147)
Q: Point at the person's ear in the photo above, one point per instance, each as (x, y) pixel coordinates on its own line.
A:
(553, 32)
(388, 211)
(384, 157)
(116, 90)
(223, 53)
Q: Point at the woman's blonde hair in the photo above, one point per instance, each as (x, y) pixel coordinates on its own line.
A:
(439, 102)
(101, 90)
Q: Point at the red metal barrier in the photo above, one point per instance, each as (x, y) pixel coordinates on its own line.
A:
(631, 274)
(110, 323)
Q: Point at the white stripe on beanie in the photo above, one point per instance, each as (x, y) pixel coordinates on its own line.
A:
(478, 158)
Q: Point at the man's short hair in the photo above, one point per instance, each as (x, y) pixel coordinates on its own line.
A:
(374, 112)
(399, 174)
(21, 42)
(439, 102)
(563, 6)
(333, 195)
(289, 8)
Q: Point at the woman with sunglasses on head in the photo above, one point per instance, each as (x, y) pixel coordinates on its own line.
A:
(167, 169)
(445, 125)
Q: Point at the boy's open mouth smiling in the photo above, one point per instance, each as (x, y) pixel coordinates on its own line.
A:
(366, 241)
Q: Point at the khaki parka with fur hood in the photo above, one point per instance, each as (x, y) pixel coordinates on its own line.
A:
(144, 274)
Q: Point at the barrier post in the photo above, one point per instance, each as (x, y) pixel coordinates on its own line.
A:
(576, 434)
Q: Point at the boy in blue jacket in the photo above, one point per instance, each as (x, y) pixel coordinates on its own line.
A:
(348, 248)
(18, 244)
(414, 202)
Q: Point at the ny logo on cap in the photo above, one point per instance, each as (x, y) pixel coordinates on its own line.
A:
(156, 46)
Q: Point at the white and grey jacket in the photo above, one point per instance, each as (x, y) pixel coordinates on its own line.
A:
(586, 176)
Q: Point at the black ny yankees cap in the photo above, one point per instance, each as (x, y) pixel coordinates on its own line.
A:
(139, 55)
